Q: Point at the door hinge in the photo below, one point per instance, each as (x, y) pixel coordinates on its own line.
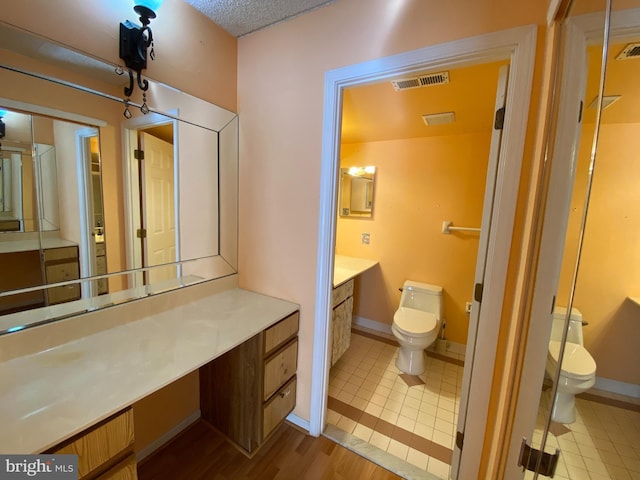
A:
(138, 154)
(498, 123)
(580, 112)
(529, 458)
(477, 292)
(459, 439)
(141, 233)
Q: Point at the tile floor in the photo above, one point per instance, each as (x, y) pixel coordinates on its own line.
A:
(603, 442)
(369, 399)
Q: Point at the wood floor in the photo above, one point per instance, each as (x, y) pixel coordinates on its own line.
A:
(201, 453)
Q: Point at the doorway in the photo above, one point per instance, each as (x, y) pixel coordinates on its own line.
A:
(516, 46)
(426, 172)
(150, 191)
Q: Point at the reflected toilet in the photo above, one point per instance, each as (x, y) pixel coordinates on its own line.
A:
(578, 372)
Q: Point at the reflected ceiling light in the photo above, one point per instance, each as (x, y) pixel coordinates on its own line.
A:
(361, 171)
(135, 40)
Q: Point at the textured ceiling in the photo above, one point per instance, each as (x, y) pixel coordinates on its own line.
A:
(240, 17)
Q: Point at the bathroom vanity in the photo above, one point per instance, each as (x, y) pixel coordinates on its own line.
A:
(75, 396)
(345, 270)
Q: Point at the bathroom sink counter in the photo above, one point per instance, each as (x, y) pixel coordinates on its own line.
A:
(346, 268)
(49, 396)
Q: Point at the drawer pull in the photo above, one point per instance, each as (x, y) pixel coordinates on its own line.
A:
(285, 393)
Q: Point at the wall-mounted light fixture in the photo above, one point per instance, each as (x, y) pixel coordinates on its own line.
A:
(135, 40)
(2, 126)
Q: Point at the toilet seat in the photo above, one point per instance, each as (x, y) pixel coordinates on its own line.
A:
(414, 322)
(577, 362)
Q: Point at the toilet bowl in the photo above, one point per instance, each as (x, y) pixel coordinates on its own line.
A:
(416, 324)
(578, 372)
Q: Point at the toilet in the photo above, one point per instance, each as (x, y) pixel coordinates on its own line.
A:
(416, 324)
(578, 372)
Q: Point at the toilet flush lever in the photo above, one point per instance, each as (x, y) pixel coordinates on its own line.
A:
(584, 324)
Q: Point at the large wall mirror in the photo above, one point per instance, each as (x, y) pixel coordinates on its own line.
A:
(97, 208)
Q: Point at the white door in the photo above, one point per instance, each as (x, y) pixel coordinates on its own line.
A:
(159, 211)
(477, 318)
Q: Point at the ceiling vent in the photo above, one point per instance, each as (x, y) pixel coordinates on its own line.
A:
(630, 51)
(439, 118)
(607, 101)
(440, 78)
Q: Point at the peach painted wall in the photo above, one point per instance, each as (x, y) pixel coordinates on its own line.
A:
(192, 53)
(280, 102)
(419, 183)
(610, 263)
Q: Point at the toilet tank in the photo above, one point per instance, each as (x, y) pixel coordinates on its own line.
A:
(574, 335)
(422, 296)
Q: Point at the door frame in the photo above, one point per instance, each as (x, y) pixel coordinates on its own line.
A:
(518, 45)
(580, 31)
(132, 192)
(88, 264)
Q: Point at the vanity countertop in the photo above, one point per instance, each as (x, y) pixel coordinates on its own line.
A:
(52, 395)
(345, 268)
(27, 245)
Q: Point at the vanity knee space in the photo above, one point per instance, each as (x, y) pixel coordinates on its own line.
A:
(247, 392)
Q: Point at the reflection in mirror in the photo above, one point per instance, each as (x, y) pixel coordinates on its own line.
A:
(356, 191)
(598, 273)
(50, 160)
(97, 209)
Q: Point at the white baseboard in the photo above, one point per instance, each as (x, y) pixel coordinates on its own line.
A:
(366, 324)
(167, 436)
(299, 422)
(614, 386)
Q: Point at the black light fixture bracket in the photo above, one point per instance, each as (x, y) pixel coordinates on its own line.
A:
(135, 41)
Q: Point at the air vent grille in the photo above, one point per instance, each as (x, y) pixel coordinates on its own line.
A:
(440, 78)
(630, 51)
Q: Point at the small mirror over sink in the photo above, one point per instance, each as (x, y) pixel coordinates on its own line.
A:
(357, 191)
(98, 207)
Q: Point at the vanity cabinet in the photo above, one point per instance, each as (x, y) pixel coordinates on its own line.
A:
(342, 303)
(62, 265)
(247, 392)
(105, 451)
(26, 268)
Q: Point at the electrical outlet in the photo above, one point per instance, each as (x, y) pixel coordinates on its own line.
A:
(366, 238)
(467, 307)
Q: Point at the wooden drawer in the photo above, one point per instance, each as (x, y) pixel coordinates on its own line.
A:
(278, 407)
(54, 254)
(342, 292)
(62, 272)
(125, 470)
(281, 332)
(279, 368)
(102, 445)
